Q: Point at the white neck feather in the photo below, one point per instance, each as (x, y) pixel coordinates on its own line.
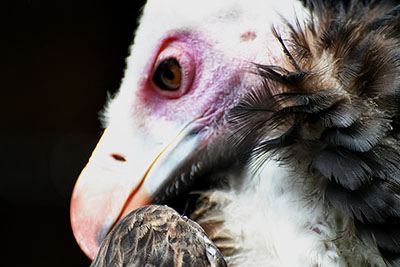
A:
(278, 218)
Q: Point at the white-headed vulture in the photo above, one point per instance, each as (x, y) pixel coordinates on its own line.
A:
(273, 124)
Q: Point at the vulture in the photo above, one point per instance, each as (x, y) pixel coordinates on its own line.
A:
(274, 125)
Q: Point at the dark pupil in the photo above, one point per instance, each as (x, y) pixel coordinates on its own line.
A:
(168, 75)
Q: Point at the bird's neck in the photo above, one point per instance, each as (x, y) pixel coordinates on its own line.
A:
(278, 218)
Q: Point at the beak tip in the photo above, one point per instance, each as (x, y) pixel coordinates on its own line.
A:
(85, 232)
(86, 238)
(92, 220)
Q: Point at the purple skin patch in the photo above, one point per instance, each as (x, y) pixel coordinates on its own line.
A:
(208, 79)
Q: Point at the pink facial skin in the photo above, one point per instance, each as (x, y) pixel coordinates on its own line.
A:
(209, 80)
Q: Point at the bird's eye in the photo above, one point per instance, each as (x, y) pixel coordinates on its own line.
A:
(168, 75)
(173, 70)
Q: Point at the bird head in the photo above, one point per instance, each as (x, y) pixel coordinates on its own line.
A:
(168, 127)
(212, 86)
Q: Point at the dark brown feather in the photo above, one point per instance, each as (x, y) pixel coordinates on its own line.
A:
(157, 236)
(334, 107)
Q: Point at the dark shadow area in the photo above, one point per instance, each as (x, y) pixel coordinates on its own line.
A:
(59, 60)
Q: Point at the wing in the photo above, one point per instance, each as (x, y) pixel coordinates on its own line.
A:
(157, 236)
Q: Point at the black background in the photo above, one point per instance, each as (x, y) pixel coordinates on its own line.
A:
(59, 58)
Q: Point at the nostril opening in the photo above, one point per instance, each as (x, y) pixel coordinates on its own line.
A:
(118, 157)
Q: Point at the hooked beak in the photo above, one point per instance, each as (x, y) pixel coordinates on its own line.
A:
(125, 172)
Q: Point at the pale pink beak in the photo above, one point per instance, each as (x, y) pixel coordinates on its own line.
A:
(122, 174)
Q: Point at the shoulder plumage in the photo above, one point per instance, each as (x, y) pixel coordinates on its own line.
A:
(334, 106)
